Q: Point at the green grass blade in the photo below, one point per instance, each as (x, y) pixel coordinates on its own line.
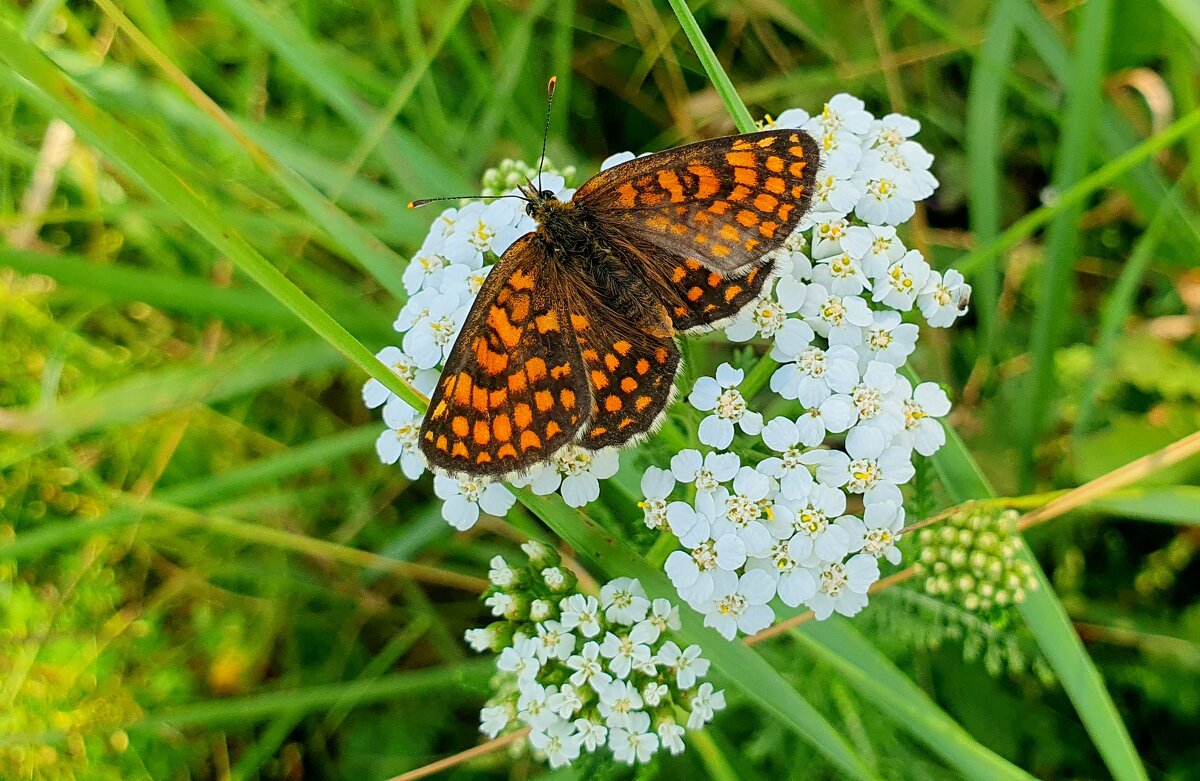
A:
(1054, 303)
(985, 108)
(1177, 504)
(42, 83)
(837, 643)
(712, 66)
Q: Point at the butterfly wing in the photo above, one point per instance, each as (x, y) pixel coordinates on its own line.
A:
(631, 367)
(514, 389)
(723, 203)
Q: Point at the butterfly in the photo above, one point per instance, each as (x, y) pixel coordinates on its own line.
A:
(571, 339)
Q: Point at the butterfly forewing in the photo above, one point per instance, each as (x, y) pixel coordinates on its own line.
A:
(514, 389)
(724, 203)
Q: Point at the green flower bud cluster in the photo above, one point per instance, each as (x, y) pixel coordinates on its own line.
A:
(513, 173)
(971, 560)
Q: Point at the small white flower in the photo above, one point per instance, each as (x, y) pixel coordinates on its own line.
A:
(589, 671)
(580, 612)
(843, 587)
(692, 572)
(705, 704)
(766, 317)
(879, 530)
(592, 734)
(944, 298)
(870, 466)
(533, 705)
(887, 339)
(520, 659)
(921, 427)
(617, 159)
(424, 269)
(706, 472)
(783, 436)
(463, 499)
(481, 229)
(664, 615)
(877, 399)
(813, 374)
(743, 509)
(577, 472)
(888, 193)
(633, 741)
(841, 275)
(722, 397)
(657, 485)
(670, 735)
(567, 702)
(399, 441)
(877, 246)
(625, 652)
(827, 313)
(480, 639)
(828, 232)
(430, 339)
(815, 520)
(792, 117)
(554, 641)
(793, 582)
(899, 285)
(842, 112)
(500, 574)
(374, 392)
(624, 601)
(654, 693)
(501, 604)
(687, 664)
(618, 701)
(540, 610)
(739, 603)
(558, 741)
(494, 718)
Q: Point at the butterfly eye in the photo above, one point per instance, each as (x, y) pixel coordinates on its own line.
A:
(548, 195)
(529, 208)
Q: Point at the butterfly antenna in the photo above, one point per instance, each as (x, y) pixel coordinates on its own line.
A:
(422, 201)
(546, 130)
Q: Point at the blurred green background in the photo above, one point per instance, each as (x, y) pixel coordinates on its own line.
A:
(205, 572)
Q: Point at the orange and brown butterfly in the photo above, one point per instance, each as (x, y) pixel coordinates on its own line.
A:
(571, 339)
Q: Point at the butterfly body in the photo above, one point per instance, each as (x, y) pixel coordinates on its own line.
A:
(571, 340)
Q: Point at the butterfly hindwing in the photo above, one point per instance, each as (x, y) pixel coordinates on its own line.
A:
(514, 389)
(631, 368)
(724, 203)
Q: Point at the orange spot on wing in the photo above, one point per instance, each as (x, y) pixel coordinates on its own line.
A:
(547, 322)
(746, 176)
(567, 397)
(628, 385)
(720, 250)
(747, 218)
(768, 229)
(552, 428)
(506, 451)
(499, 322)
(479, 399)
(796, 151)
(622, 347)
(728, 232)
(579, 322)
(714, 279)
(612, 404)
(695, 294)
(740, 159)
(502, 428)
(776, 185)
(462, 389)
(599, 379)
(669, 181)
(785, 210)
(522, 415)
(643, 365)
(483, 458)
(660, 355)
(521, 280)
(766, 143)
(718, 207)
(732, 292)
(678, 274)
(517, 382)
(518, 309)
(642, 402)
(459, 451)
(536, 369)
(459, 426)
(740, 193)
(612, 362)
(530, 441)
(442, 444)
(560, 371)
(482, 434)
(627, 196)
(543, 400)
(706, 181)
(497, 398)
(797, 169)
(765, 202)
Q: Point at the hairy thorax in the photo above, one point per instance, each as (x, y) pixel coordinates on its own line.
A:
(573, 240)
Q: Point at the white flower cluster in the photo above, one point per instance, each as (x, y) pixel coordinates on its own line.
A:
(585, 673)
(783, 527)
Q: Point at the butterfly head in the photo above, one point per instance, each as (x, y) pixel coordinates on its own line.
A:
(541, 205)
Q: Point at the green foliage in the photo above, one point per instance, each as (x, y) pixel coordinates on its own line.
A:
(204, 571)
